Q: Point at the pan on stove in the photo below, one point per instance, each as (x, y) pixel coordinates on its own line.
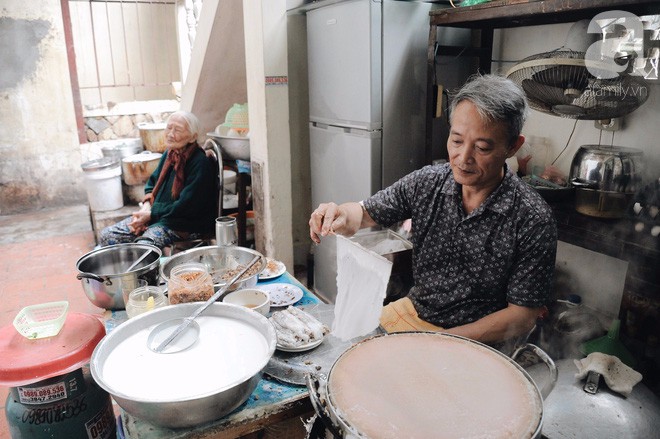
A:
(421, 384)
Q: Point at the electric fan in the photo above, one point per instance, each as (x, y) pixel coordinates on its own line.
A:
(562, 83)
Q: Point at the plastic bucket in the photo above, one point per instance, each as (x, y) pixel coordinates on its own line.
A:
(103, 178)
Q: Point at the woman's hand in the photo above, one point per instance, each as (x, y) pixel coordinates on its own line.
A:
(345, 219)
(140, 221)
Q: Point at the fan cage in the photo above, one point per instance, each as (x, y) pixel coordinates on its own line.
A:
(560, 83)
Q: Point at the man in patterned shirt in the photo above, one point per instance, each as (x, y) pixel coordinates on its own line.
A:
(484, 242)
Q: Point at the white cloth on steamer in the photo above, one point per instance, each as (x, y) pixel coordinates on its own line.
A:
(362, 278)
(618, 377)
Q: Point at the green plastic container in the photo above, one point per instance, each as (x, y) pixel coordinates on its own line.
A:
(611, 345)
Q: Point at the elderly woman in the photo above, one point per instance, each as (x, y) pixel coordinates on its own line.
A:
(180, 194)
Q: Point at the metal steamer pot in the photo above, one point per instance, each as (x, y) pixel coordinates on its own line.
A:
(103, 274)
(418, 384)
(572, 412)
(188, 388)
(606, 179)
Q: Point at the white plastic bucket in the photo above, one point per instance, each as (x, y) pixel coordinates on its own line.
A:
(103, 178)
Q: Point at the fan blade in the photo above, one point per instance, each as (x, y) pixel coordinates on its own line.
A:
(547, 94)
(564, 77)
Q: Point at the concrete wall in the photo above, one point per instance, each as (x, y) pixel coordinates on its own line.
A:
(270, 144)
(39, 151)
(301, 197)
(640, 128)
(216, 77)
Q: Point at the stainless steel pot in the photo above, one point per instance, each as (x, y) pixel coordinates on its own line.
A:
(606, 178)
(418, 384)
(103, 274)
(153, 136)
(120, 148)
(219, 261)
(570, 412)
(202, 366)
(137, 168)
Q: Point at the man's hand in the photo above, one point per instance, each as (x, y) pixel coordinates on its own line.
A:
(345, 219)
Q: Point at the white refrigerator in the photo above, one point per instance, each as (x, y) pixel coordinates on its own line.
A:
(367, 94)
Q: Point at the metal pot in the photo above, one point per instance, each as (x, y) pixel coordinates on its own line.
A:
(606, 178)
(569, 411)
(417, 384)
(219, 261)
(103, 274)
(137, 168)
(120, 148)
(209, 381)
(153, 136)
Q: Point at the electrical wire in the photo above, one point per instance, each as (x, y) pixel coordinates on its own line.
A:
(567, 143)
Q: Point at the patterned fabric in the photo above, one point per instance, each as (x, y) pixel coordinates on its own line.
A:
(161, 236)
(175, 159)
(468, 266)
(192, 214)
(196, 208)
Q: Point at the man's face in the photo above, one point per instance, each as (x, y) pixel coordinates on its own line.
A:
(177, 133)
(477, 148)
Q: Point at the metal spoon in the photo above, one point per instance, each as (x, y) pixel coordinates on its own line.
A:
(140, 259)
(186, 330)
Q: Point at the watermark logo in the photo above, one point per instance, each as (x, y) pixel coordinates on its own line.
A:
(623, 47)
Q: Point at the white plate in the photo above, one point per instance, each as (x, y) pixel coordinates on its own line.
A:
(273, 269)
(282, 294)
(302, 348)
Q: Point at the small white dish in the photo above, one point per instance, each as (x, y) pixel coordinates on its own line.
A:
(257, 300)
(282, 294)
(273, 269)
(303, 348)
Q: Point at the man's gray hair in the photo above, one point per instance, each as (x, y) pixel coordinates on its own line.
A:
(497, 99)
(191, 119)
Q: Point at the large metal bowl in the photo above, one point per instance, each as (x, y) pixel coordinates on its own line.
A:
(161, 404)
(103, 274)
(236, 148)
(219, 261)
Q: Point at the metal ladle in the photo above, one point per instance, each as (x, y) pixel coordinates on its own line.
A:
(179, 334)
(137, 262)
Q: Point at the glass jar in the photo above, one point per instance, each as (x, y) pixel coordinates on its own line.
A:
(144, 299)
(190, 282)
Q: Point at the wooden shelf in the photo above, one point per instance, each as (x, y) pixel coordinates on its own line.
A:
(515, 13)
(486, 17)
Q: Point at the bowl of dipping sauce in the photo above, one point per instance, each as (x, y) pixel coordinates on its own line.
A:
(255, 299)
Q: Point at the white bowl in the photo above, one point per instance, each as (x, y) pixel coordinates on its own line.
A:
(257, 300)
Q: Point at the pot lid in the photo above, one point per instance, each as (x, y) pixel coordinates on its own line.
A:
(131, 144)
(144, 126)
(570, 412)
(144, 156)
(100, 164)
(24, 361)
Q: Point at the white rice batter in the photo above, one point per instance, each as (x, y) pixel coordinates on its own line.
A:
(228, 352)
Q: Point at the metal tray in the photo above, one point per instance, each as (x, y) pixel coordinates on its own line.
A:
(291, 367)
